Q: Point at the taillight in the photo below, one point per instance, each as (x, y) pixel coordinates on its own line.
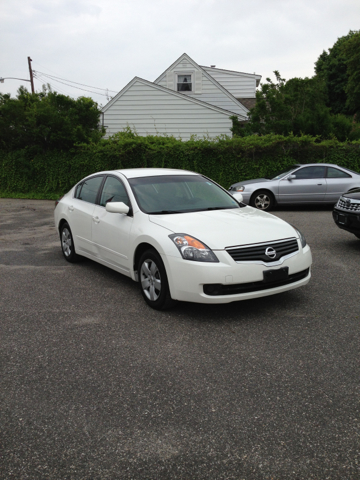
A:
(57, 201)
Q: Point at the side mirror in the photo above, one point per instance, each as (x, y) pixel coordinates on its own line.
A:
(238, 197)
(291, 177)
(117, 207)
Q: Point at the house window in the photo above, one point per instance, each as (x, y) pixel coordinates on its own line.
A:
(184, 83)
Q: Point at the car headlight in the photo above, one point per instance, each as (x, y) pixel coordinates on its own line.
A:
(239, 189)
(192, 249)
(301, 237)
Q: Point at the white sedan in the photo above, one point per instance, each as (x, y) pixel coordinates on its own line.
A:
(181, 237)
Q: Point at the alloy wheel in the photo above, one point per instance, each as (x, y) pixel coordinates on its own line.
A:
(150, 280)
(66, 242)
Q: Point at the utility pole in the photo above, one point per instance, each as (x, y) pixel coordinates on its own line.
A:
(31, 75)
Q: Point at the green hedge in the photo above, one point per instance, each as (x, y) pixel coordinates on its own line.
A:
(225, 160)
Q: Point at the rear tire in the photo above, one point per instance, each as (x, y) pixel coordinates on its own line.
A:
(153, 281)
(67, 244)
(262, 200)
(357, 235)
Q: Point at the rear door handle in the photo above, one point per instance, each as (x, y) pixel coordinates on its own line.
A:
(71, 208)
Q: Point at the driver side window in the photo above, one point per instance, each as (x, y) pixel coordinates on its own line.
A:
(310, 172)
(113, 191)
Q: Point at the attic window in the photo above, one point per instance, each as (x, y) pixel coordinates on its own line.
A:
(184, 83)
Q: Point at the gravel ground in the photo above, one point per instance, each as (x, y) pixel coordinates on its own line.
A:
(96, 385)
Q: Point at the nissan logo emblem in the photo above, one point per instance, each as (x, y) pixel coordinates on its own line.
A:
(348, 202)
(270, 252)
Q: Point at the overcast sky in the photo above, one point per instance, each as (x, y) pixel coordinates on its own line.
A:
(105, 43)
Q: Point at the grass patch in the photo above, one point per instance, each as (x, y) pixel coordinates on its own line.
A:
(31, 195)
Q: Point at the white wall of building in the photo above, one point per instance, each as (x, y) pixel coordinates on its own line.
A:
(152, 110)
(241, 85)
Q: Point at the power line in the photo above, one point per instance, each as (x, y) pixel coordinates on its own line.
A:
(68, 85)
(37, 63)
(44, 80)
(44, 76)
(56, 77)
(76, 83)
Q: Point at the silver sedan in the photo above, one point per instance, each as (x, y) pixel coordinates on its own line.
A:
(299, 184)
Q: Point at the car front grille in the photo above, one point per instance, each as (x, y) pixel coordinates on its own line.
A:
(348, 205)
(216, 289)
(264, 252)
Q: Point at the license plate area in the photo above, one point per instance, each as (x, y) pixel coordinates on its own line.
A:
(276, 275)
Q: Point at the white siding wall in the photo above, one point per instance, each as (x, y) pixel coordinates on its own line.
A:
(212, 94)
(169, 79)
(203, 88)
(151, 111)
(163, 82)
(241, 86)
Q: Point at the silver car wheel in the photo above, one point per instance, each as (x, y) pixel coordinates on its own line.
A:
(262, 201)
(150, 280)
(66, 242)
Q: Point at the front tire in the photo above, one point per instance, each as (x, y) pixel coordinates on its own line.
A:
(262, 200)
(153, 281)
(67, 244)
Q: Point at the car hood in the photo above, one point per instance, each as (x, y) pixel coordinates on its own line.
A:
(226, 228)
(249, 182)
(354, 193)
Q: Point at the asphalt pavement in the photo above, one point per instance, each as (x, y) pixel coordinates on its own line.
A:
(96, 385)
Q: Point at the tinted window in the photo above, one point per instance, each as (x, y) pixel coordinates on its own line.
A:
(336, 173)
(310, 172)
(113, 191)
(89, 189)
(78, 190)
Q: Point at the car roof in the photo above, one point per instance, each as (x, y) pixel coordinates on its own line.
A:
(152, 172)
(296, 165)
(316, 165)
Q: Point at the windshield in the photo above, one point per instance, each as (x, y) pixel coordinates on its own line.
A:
(284, 172)
(168, 194)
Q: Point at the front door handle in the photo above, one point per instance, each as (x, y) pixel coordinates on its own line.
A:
(96, 219)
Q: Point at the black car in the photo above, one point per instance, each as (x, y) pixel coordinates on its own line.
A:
(346, 212)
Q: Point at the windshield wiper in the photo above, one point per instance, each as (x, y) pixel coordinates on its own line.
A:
(220, 208)
(165, 212)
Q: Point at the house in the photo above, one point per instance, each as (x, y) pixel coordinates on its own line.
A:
(186, 99)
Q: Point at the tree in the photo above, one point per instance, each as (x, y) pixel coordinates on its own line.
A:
(351, 50)
(47, 120)
(326, 105)
(296, 106)
(332, 67)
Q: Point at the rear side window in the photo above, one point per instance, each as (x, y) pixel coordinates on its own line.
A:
(88, 189)
(336, 173)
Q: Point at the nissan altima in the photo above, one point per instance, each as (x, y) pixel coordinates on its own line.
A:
(300, 184)
(181, 237)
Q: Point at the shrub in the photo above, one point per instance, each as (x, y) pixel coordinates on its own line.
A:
(225, 160)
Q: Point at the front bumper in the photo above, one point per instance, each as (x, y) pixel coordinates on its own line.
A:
(246, 196)
(187, 279)
(347, 221)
